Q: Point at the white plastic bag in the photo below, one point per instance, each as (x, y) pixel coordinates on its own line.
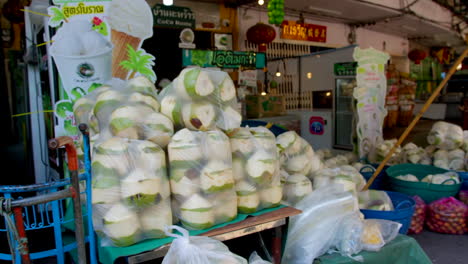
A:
(201, 178)
(187, 249)
(312, 233)
(256, 259)
(346, 175)
(378, 232)
(347, 240)
(445, 136)
(201, 99)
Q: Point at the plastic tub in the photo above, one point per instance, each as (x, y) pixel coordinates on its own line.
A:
(427, 191)
(404, 209)
(464, 179)
(380, 183)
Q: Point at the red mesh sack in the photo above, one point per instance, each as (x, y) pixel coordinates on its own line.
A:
(419, 216)
(447, 215)
(463, 196)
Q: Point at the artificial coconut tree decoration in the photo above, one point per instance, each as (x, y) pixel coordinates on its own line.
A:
(276, 12)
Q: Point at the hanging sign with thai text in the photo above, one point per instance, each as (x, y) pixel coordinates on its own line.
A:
(173, 16)
(306, 32)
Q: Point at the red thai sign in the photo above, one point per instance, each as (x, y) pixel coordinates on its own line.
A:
(307, 32)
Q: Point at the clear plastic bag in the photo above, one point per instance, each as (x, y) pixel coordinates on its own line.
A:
(445, 136)
(130, 191)
(187, 249)
(419, 216)
(378, 232)
(448, 216)
(347, 240)
(375, 200)
(256, 259)
(201, 99)
(201, 178)
(295, 187)
(346, 175)
(256, 168)
(297, 156)
(312, 233)
(125, 109)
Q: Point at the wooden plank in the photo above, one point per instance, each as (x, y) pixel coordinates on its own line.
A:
(255, 220)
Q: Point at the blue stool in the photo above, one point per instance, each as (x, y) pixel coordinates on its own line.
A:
(53, 215)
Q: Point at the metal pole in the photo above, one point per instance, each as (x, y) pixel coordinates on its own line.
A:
(417, 117)
(23, 243)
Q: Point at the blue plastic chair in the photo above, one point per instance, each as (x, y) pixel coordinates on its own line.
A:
(53, 215)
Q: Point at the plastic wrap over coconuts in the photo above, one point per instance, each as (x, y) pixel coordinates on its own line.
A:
(201, 99)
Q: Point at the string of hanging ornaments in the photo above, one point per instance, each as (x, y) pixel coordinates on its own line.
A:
(275, 12)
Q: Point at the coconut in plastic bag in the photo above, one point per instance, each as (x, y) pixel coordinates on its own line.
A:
(297, 156)
(346, 175)
(187, 249)
(201, 99)
(295, 187)
(130, 191)
(128, 110)
(445, 136)
(201, 178)
(256, 169)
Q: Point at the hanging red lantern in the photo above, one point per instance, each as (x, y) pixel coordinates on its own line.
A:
(417, 55)
(261, 34)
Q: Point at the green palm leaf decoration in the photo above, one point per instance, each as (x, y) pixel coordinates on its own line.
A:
(139, 62)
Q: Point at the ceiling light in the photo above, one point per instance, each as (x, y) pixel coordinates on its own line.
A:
(278, 74)
(168, 2)
(263, 93)
(459, 67)
(328, 94)
(309, 75)
(261, 2)
(324, 10)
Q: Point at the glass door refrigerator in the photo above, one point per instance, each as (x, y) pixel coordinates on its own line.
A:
(343, 107)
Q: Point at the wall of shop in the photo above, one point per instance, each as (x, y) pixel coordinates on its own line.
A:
(337, 34)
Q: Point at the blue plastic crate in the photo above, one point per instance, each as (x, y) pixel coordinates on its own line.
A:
(464, 179)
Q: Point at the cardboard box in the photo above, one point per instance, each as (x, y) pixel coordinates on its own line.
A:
(265, 105)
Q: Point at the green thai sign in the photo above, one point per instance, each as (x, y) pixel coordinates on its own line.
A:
(224, 59)
(345, 68)
(173, 16)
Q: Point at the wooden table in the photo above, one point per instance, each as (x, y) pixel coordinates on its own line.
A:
(275, 219)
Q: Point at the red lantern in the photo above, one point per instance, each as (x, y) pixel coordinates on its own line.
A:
(417, 55)
(261, 34)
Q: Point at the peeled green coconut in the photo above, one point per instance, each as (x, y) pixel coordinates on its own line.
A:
(150, 157)
(248, 199)
(216, 176)
(121, 225)
(227, 90)
(111, 156)
(154, 218)
(296, 186)
(184, 149)
(199, 116)
(261, 166)
(185, 186)
(197, 213)
(192, 83)
(105, 189)
(271, 196)
(225, 206)
(238, 168)
(242, 141)
(141, 189)
(217, 146)
(288, 141)
(297, 164)
(231, 118)
(264, 138)
(125, 120)
(172, 108)
(107, 101)
(142, 85)
(147, 100)
(158, 128)
(82, 108)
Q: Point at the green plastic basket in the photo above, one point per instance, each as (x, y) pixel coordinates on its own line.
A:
(427, 191)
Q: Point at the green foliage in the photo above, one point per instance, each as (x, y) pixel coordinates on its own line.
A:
(139, 62)
(56, 16)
